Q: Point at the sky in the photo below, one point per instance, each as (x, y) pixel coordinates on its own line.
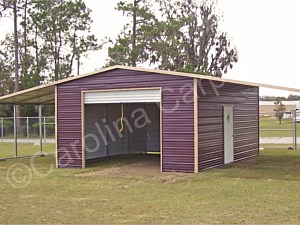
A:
(266, 34)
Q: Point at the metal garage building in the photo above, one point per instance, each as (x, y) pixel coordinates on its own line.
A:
(195, 122)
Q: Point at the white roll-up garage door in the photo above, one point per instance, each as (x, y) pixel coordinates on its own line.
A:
(123, 96)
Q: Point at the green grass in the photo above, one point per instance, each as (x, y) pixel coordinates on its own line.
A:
(24, 149)
(273, 123)
(261, 190)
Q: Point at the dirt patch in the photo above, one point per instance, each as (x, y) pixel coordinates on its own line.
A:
(173, 177)
(136, 169)
(148, 168)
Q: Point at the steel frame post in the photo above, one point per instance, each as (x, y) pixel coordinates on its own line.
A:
(41, 130)
(15, 131)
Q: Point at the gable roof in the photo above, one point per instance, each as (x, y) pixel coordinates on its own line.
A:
(45, 94)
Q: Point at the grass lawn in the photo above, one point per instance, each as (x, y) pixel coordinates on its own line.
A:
(272, 123)
(24, 149)
(261, 190)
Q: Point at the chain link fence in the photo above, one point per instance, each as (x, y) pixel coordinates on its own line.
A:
(28, 136)
(284, 133)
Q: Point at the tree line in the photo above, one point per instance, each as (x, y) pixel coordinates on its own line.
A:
(291, 97)
(50, 38)
(173, 35)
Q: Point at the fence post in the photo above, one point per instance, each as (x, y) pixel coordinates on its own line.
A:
(27, 128)
(2, 129)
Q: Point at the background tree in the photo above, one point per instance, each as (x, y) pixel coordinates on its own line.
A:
(64, 28)
(129, 48)
(183, 35)
(292, 97)
(6, 81)
(10, 8)
(51, 35)
(272, 98)
(279, 110)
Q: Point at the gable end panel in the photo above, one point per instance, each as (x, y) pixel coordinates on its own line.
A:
(177, 115)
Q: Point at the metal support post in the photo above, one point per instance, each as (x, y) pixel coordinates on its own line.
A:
(15, 131)
(27, 128)
(41, 130)
(44, 129)
(295, 130)
(2, 129)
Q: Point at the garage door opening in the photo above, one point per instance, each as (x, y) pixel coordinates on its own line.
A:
(118, 124)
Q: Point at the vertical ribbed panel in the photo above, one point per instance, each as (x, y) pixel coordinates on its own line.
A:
(177, 115)
(212, 97)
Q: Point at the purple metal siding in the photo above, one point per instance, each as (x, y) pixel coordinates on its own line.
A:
(177, 115)
(211, 98)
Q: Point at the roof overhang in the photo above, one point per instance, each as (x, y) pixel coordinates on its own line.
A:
(45, 94)
(41, 95)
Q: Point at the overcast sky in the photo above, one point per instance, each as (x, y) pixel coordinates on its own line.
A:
(265, 32)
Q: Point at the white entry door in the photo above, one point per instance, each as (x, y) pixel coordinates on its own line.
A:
(228, 134)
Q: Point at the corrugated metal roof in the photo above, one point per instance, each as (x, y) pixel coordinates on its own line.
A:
(45, 94)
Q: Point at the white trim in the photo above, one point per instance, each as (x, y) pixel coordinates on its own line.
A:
(228, 120)
(35, 92)
(123, 96)
(83, 93)
(196, 137)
